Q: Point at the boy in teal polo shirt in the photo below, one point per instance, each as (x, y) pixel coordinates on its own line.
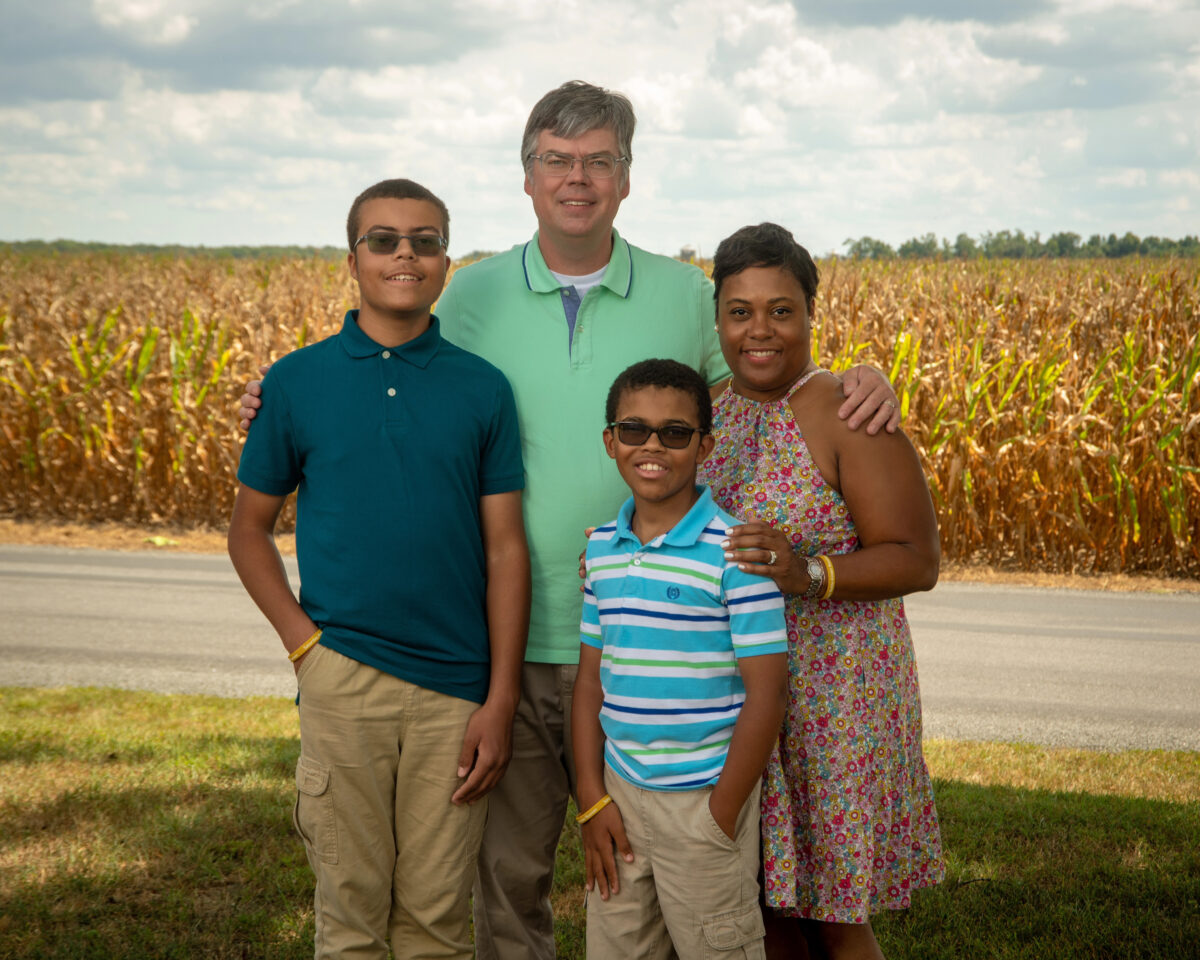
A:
(680, 694)
(409, 633)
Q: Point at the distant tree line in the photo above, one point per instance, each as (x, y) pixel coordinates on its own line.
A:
(180, 250)
(175, 250)
(1017, 245)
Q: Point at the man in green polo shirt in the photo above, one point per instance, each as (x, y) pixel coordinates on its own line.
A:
(561, 316)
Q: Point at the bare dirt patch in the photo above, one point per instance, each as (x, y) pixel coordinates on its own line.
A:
(113, 536)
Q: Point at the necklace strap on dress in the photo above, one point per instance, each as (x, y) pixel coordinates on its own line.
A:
(802, 381)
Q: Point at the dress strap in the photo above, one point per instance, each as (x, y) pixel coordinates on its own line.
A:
(802, 381)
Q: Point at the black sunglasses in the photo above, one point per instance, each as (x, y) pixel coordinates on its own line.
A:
(423, 244)
(672, 436)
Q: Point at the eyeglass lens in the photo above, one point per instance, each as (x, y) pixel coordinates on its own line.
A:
(634, 434)
(599, 165)
(423, 244)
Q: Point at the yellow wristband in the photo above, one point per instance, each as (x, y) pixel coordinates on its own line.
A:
(594, 809)
(304, 647)
(829, 578)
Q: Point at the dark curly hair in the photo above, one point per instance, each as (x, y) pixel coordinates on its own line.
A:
(766, 245)
(664, 374)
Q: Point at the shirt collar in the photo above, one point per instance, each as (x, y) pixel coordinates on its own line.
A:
(685, 533)
(418, 351)
(618, 276)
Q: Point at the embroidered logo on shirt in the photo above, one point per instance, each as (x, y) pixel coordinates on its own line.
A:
(672, 593)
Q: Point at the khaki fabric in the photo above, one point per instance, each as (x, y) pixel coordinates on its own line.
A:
(393, 857)
(691, 892)
(513, 919)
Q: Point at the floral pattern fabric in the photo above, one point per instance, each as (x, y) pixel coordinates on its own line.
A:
(848, 819)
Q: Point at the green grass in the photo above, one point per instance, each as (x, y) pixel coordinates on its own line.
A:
(139, 825)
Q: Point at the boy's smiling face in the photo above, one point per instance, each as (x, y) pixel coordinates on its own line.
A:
(658, 475)
(400, 284)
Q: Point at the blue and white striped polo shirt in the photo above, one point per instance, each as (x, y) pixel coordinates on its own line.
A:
(672, 617)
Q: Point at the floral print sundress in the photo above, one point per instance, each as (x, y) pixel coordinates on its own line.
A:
(849, 825)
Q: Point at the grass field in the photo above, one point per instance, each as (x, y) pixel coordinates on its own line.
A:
(137, 825)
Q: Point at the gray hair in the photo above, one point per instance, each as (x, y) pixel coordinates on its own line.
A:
(575, 108)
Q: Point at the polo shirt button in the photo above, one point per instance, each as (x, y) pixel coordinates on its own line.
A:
(637, 561)
(391, 391)
(386, 354)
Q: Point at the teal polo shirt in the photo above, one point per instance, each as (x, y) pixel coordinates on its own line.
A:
(390, 450)
(509, 310)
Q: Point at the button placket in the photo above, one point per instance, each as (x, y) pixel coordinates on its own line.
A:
(391, 372)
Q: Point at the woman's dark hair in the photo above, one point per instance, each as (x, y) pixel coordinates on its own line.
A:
(767, 245)
(663, 374)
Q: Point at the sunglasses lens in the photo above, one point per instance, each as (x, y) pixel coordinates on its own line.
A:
(382, 242)
(424, 246)
(675, 437)
(634, 434)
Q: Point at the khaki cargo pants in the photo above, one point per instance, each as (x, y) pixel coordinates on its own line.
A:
(393, 857)
(691, 891)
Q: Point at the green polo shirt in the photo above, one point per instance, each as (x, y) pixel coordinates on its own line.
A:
(391, 450)
(509, 310)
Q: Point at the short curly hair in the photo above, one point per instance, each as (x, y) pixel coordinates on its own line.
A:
(665, 374)
(394, 190)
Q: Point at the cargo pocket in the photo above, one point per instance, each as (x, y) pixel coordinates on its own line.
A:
(736, 933)
(313, 814)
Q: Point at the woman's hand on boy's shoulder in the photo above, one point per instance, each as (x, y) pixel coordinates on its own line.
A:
(603, 834)
(583, 557)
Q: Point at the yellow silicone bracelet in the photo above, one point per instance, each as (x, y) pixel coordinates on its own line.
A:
(304, 647)
(594, 809)
(829, 578)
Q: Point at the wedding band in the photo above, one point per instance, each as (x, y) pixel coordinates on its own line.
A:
(771, 562)
(890, 403)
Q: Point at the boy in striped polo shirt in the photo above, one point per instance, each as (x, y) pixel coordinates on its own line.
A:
(680, 694)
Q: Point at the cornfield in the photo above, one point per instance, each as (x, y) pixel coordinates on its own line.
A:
(1056, 404)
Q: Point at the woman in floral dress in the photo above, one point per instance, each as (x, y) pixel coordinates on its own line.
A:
(849, 823)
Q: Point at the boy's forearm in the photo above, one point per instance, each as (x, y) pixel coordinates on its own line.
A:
(260, 567)
(754, 734)
(587, 736)
(507, 596)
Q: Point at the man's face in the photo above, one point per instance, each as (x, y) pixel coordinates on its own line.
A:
(400, 283)
(576, 208)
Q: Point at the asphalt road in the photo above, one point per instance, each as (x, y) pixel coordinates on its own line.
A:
(1058, 667)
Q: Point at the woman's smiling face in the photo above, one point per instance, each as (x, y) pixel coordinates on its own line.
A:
(763, 320)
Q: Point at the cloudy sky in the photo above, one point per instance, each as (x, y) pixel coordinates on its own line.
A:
(257, 121)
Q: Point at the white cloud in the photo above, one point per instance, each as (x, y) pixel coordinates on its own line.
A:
(150, 21)
(1048, 116)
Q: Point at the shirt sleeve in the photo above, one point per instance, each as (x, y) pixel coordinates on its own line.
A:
(270, 460)
(448, 310)
(501, 468)
(756, 620)
(713, 367)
